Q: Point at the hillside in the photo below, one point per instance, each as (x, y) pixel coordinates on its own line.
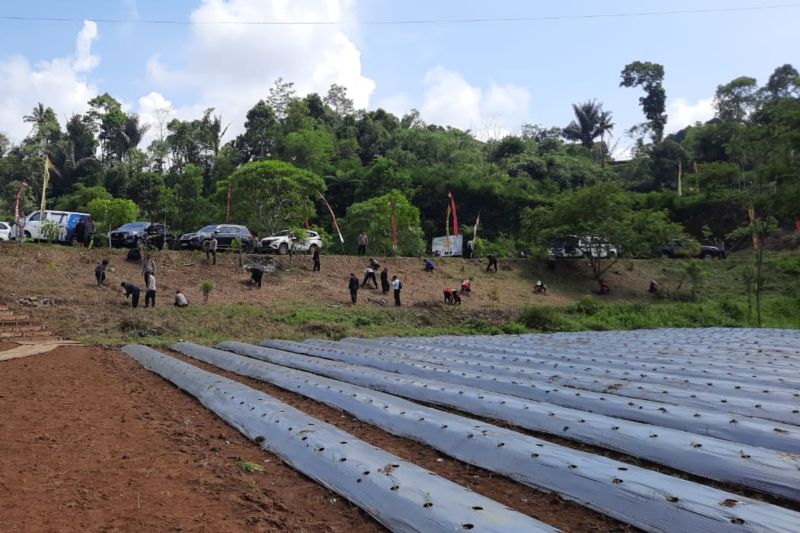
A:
(296, 303)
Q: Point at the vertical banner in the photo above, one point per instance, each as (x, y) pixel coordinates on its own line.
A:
(333, 218)
(19, 222)
(393, 222)
(455, 214)
(797, 224)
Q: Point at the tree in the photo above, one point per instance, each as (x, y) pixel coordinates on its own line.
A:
(382, 176)
(337, 100)
(650, 77)
(311, 149)
(375, 217)
(758, 230)
(280, 96)
(603, 211)
(273, 195)
(783, 83)
(736, 100)
(261, 133)
(112, 213)
(590, 123)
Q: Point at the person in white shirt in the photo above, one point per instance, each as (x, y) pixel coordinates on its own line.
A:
(150, 295)
(180, 299)
(397, 286)
(369, 275)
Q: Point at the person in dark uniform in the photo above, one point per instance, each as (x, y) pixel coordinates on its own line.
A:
(315, 257)
(353, 286)
(492, 262)
(385, 280)
(133, 291)
(100, 272)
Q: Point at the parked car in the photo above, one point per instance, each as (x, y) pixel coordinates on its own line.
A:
(129, 235)
(676, 249)
(66, 221)
(573, 246)
(5, 231)
(283, 241)
(225, 233)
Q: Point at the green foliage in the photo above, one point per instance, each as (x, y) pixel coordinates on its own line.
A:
(50, 230)
(603, 211)
(650, 77)
(374, 216)
(109, 214)
(269, 196)
(79, 200)
(206, 287)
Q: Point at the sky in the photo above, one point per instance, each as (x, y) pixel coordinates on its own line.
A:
(488, 77)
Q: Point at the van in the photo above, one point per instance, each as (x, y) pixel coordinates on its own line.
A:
(66, 221)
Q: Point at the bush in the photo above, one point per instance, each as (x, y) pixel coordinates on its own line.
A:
(514, 328)
(588, 305)
(544, 319)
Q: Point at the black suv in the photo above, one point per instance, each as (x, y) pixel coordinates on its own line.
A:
(225, 234)
(129, 235)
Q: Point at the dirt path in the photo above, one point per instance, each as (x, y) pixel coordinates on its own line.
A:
(92, 442)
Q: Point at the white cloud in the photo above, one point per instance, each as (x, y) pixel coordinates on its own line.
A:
(233, 66)
(490, 113)
(681, 113)
(60, 83)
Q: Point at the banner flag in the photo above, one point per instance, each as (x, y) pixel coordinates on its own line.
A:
(455, 214)
(333, 217)
(46, 179)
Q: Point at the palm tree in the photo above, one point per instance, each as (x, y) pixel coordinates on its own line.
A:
(591, 122)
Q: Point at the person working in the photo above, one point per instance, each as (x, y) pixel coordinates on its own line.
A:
(89, 231)
(148, 267)
(385, 280)
(256, 275)
(353, 286)
(100, 272)
(211, 248)
(369, 275)
(492, 262)
(315, 257)
(180, 299)
(150, 295)
(448, 295)
(653, 287)
(129, 289)
(429, 266)
(466, 286)
(363, 241)
(540, 287)
(397, 286)
(456, 298)
(374, 265)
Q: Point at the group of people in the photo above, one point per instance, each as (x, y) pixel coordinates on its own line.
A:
(369, 277)
(84, 231)
(131, 290)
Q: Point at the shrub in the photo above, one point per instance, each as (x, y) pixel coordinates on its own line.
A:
(544, 319)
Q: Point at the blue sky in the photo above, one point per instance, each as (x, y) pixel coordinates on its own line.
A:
(489, 77)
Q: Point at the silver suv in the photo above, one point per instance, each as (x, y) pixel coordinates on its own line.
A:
(285, 241)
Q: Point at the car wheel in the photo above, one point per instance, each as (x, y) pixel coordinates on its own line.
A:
(707, 256)
(612, 255)
(313, 248)
(283, 249)
(27, 234)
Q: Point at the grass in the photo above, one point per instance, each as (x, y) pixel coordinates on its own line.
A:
(720, 302)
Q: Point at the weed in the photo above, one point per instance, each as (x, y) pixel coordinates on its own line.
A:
(249, 467)
(206, 287)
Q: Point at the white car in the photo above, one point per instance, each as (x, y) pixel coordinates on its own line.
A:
(5, 231)
(284, 241)
(571, 246)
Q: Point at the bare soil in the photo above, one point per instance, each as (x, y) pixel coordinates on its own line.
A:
(83, 311)
(93, 442)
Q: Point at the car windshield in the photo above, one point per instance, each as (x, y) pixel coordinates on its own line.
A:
(134, 225)
(207, 229)
(281, 234)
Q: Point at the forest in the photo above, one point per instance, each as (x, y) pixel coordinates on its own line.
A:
(373, 168)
